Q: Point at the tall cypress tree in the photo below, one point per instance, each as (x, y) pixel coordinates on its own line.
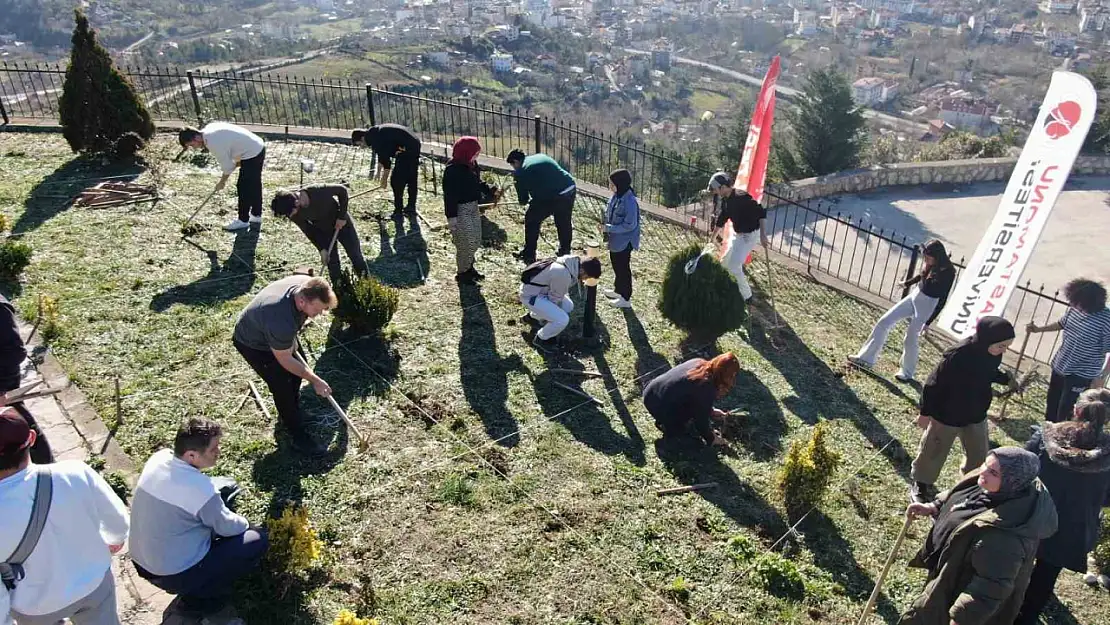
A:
(98, 103)
(827, 127)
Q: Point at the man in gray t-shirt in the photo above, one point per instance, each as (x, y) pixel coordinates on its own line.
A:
(266, 337)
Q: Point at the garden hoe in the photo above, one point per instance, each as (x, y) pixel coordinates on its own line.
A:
(886, 569)
(1017, 368)
(324, 256)
(363, 442)
(185, 226)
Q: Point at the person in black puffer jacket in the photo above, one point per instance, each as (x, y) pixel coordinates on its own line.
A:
(1075, 466)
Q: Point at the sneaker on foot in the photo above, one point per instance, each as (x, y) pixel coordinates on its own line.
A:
(619, 302)
(610, 293)
(474, 274)
(903, 378)
(306, 445)
(256, 219)
(546, 345)
(859, 362)
(235, 224)
(921, 492)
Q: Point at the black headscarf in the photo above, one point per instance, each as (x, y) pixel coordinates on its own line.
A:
(958, 392)
(622, 180)
(991, 330)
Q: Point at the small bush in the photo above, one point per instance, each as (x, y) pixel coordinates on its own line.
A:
(456, 489)
(4, 223)
(365, 305)
(294, 545)
(704, 303)
(779, 576)
(119, 484)
(128, 145)
(346, 617)
(46, 308)
(742, 548)
(14, 258)
(807, 472)
(679, 590)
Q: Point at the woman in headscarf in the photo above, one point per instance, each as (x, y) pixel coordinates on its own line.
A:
(954, 403)
(921, 306)
(684, 396)
(980, 552)
(622, 230)
(1075, 467)
(462, 190)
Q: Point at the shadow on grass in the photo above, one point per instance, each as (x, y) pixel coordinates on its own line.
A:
(649, 363)
(483, 371)
(493, 235)
(224, 282)
(761, 428)
(268, 597)
(1056, 613)
(402, 260)
(692, 462)
(55, 193)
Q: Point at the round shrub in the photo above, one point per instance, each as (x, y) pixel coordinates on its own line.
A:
(14, 258)
(779, 576)
(365, 305)
(705, 302)
(807, 472)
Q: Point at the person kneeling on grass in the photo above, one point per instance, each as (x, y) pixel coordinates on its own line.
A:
(184, 537)
(545, 288)
(685, 395)
(979, 553)
(320, 211)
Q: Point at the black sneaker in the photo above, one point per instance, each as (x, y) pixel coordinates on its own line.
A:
(465, 278)
(525, 258)
(921, 492)
(549, 345)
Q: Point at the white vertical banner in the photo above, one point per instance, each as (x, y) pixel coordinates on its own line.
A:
(985, 286)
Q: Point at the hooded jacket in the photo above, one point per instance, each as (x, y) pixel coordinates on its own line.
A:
(958, 391)
(1079, 480)
(555, 281)
(984, 568)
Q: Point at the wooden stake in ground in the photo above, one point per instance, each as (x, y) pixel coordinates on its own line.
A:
(197, 211)
(258, 400)
(578, 392)
(1017, 370)
(886, 569)
(685, 489)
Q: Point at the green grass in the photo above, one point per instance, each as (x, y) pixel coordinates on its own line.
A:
(488, 494)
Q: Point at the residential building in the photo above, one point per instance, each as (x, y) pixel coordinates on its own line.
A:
(547, 61)
(965, 114)
(805, 22)
(1058, 38)
(1020, 33)
(867, 91)
(1058, 7)
(661, 54)
(888, 92)
(501, 62)
(438, 57)
(883, 18)
(1093, 18)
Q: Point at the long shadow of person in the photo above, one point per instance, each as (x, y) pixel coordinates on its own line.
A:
(635, 452)
(483, 371)
(649, 363)
(403, 261)
(761, 425)
(493, 235)
(833, 554)
(55, 193)
(235, 277)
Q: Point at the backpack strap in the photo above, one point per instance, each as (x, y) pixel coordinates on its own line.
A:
(11, 571)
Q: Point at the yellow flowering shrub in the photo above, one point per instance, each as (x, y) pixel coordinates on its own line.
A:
(294, 545)
(807, 472)
(47, 308)
(346, 617)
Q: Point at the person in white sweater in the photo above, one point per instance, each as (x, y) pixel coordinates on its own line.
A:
(544, 291)
(68, 574)
(233, 146)
(185, 540)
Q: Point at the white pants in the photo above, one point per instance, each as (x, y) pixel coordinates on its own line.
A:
(917, 307)
(740, 245)
(555, 316)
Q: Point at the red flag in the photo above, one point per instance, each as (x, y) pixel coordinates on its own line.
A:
(752, 173)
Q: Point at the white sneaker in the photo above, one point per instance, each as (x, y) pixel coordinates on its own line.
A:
(619, 302)
(255, 219)
(610, 293)
(236, 225)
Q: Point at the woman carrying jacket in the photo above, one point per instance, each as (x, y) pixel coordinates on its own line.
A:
(980, 551)
(622, 230)
(921, 306)
(954, 403)
(1075, 467)
(462, 190)
(684, 396)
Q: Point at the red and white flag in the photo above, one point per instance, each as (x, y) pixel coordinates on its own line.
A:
(1042, 169)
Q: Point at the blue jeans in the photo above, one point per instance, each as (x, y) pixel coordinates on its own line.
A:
(206, 586)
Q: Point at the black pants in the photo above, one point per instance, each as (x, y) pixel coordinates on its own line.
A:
(1041, 585)
(249, 186)
(561, 207)
(622, 271)
(406, 173)
(284, 386)
(348, 238)
(1063, 391)
(40, 451)
(206, 586)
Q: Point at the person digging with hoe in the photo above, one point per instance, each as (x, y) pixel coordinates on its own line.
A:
(266, 337)
(320, 211)
(233, 147)
(398, 151)
(684, 396)
(548, 190)
(979, 553)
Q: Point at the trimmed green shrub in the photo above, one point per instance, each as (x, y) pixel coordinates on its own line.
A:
(779, 576)
(807, 472)
(98, 103)
(365, 305)
(742, 548)
(705, 302)
(14, 258)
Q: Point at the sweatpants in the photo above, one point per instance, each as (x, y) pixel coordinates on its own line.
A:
(1042, 584)
(348, 238)
(622, 271)
(560, 207)
(405, 173)
(467, 235)
(206, 586)
(1063, 392)
(555, 316)
(97, 608)
(249, 186)
(917, 307)
(741, 244)
(937, 441)
(284, 386)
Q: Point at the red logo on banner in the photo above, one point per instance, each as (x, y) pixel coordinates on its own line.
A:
(1062, 119)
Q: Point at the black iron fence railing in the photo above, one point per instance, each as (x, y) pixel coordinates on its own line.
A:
(835, 244)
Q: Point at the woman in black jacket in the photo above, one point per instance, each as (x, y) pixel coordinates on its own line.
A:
(462, 190)
(1075, 466)
(954, 403)
(920, 306)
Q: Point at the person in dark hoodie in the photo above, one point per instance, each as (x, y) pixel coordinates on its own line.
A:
(954, 403)
(462, 190)
(12, 354)
(320, 211)
(980, 551)
(921, 306)
(622, 231)
(684, 396)
(398, 150)
(1075, 467)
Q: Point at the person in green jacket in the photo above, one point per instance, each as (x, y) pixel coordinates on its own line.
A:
(548, 190)
(980, 552)
(320, 211)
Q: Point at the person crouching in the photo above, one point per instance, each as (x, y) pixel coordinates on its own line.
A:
(545, 292)
(684, 396)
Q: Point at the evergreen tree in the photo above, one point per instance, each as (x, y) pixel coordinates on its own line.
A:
(704, 302)
(1098, 138)
(98, 103)
(827, 127)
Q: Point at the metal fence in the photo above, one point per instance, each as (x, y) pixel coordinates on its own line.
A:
(831, 243)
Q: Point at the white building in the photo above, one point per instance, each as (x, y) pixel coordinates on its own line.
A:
(501, 62)
(868, 91)
(805, 22)
(1093, 19)
(883, 18)
(1058, 7)
(965, 114)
